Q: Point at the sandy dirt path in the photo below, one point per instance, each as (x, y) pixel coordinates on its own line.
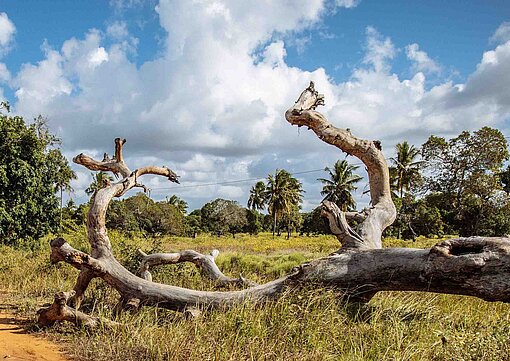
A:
(18, 344)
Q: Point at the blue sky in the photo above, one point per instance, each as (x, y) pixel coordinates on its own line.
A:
(202, 86)
(456, 33)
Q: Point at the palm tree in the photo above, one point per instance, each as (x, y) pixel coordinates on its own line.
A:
(406, 172)
(340, 185)
(98, 179)
(178, 203)
(284, 193)
(63, 178)
(258, 196)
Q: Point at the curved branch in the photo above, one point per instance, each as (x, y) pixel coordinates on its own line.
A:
(339, 227)
(206, 263)
(383, 212)
(167, 296)
(473, 266)
(162, 171)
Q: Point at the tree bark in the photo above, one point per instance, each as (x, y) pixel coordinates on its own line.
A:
(469, 266)
(382, 212)
(59, 311)
(207, 264)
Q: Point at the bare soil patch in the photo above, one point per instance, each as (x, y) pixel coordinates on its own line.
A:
(17, 344)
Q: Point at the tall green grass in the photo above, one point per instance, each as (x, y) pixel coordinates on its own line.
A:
(307, 325)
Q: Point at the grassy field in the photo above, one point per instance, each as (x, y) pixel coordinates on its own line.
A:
(308, 325)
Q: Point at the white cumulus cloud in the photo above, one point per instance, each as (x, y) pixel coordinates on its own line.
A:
(502, 33)
(421, 60)
(5, 75)
(379, 50)
(7, 31)
(211, 105)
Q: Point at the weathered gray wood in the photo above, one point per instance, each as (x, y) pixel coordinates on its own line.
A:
(473, 266)
(59, 311)
(383, 212)
(206, 263)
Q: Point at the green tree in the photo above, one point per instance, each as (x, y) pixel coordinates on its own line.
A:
(254, 221)
(178, 203)
(504, 177)
(258, 197)
(284, 193)
(340, 185)
(120, 217)
(154, 218)
(314, 223)
(99, 179)
(172, 219)
(465, 176)
(221, 216)
(454, 164)
(292, 220)
(192, 224)
(32, 170)
(406, 170)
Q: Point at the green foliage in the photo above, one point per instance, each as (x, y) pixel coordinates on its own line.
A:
(121, 217)
(178, 203)
(458, 163)
(284, 194)
(340, 185)
(223, 216)
(465, 184)
(32, 169)
(405, 174)
(314, 223)
(504, 177)
(254, 221)
(99, 180)
(192, 225)
(466, 171)
(258, 196)
(155, 218)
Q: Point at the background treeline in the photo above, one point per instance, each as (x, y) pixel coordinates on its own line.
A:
(446, 186)
(456, 186)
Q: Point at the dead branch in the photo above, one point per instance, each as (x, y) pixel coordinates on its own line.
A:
(383, 212)
(206, 263)
(60, 311)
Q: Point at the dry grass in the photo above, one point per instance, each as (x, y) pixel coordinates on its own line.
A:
(309, 325)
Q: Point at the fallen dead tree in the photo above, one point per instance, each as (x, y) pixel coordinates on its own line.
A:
(473, 266)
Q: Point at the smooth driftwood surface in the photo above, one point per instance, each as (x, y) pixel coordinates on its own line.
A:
(206, 263)
(475, 266)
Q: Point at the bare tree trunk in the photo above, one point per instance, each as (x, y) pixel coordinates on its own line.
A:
(470, 266)
(383, 212)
